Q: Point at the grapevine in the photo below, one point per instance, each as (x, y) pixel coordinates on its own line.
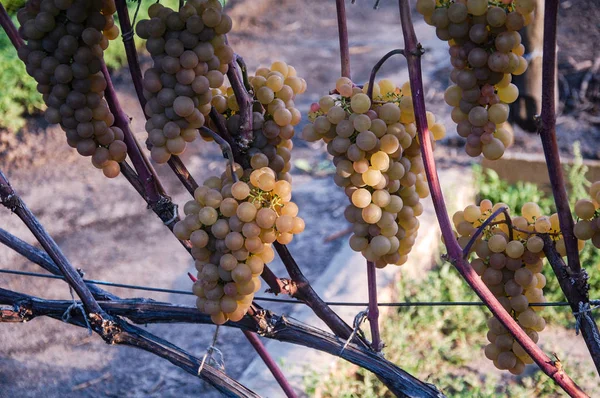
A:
(231, 226)
(378, 163)
(485, 51)
(190, 55)
(64, 48)
(507, 253)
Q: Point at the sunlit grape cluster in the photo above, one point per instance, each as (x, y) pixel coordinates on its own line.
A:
(485, 51)
(274, 117)
(231, 226)
(63, 52)
(508, 255)
(588, 225)
(190, 55)
(378, 163)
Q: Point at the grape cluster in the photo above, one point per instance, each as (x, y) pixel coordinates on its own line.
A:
(65, 41)
(588, 225)
(190, 54)
(485, 51)
(508, 255)
(231, 226)
(378, 163)
(275, 115)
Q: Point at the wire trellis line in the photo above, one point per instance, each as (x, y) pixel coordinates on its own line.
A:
(288, 301)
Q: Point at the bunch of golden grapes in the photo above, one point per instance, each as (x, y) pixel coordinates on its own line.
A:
(485, 51)
(378, 162)
(64, 46)
(588, 226)
(231, 226)
(508, 255)
(275, 114)
(190, 54)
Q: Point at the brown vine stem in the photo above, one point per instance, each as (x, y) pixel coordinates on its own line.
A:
(307, 294)
(118, 331)
(271, 364)
(547, 131)
(12, 201)
(413, 52)
(574, 281)
(272, 326)
(122, 121)
(10, 28)
(376, 68)
(487, 222)
(342, 22)
(245, 101)
(373, 312)
(175, 163)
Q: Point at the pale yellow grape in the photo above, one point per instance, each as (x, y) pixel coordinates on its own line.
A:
(246, 212)
(438, 130)
(380, 245)
(497, 243)
(472, 213)
(453, 95)
(515, 249)
(508, 94)
(583, 230)
(535, 244)
(498, 113)
(542, 224)
(371, 214)
(361, 123)
(585, 209)
(240, 190)
(360, 103)
(493, 150)
(372, 177)
(361, 198)
(389, 112)
(531, 211)
(425, 7)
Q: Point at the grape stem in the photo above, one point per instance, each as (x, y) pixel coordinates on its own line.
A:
(413, 57)
(244, 71)
(572, 278)
(10, 28)
(342, 22)
(378, 66)
(245, 102)
(307, 294)
(487, 222)
(122, 121)
(373, 312)
(547, 131)
(225, 147)
(271, 364)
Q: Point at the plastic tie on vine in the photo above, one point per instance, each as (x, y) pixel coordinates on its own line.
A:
(66, 316)
(220, 362)
(175, 215)
(358, 320)
(584, 311)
